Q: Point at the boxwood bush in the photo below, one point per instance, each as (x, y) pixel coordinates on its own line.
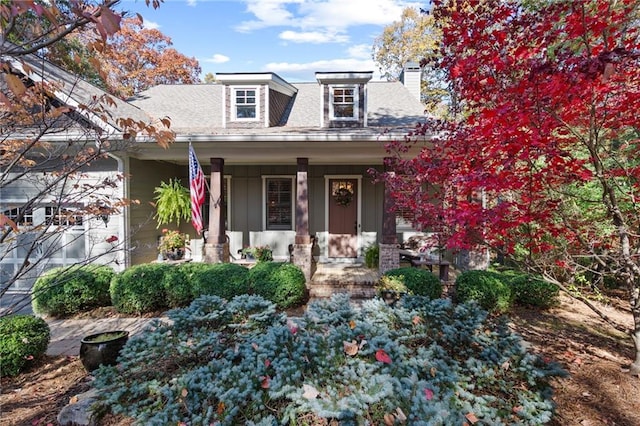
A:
(177, 285)
(23, 339)
(281, 283)
(140, 288)
(419, 282)
(219, 279)
(68, 290)
(489, 289)
(239, 362)
(533, 291)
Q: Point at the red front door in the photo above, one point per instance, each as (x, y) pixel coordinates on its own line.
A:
(343, 218)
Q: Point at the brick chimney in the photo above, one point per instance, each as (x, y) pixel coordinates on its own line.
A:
(410, 77)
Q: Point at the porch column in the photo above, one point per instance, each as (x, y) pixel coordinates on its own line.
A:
(302, 248)
(389, 250)
(216, 250)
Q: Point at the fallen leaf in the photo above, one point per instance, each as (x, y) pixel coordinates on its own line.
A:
(433, 371)
(389, 419)
(221, 408)
(383, 357)
(416, 320)
(264, 383)
(350, 348)
(73, 400)
(352, 324)
(309, 392)
(472, 418)
(184, 393)
(400, 415)
(428, 393)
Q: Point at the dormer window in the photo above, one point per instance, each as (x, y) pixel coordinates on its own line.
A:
(246, 103)
(344, 103)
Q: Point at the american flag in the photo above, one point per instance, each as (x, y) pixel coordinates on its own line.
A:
(196, 189)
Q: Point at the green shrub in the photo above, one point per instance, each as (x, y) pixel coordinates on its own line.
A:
(530, 290)
(239, 362)
(68, 290)
(219, 279)
(23, 338)
(487, 288)
(177, 285)
(140, 288)
(372, 256)
(280, 283)
(419, 282)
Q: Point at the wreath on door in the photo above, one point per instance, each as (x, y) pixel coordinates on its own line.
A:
(343, 196)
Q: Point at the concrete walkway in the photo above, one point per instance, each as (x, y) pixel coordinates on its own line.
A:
(66, 334)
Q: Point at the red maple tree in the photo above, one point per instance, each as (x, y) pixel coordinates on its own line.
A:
(541, 162)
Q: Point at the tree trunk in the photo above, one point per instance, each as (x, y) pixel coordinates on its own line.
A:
(635, 333)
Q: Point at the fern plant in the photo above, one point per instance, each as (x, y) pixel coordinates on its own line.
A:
(173, 202)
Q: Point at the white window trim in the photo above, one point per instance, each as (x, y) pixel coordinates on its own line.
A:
(234, 110)
(264, 201)
(356, 102)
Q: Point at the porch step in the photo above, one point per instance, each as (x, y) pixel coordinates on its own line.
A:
(355, 279)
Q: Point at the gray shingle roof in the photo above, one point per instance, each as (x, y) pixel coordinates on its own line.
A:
(197, 109)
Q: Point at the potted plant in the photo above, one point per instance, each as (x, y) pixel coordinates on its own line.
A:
(102, 348)
(172, 244)
(259, 253)
(173, 202)
(391, 288)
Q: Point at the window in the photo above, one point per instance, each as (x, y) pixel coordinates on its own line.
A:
(63, 216)
(20, 216)
(344, 103)
(279, 203)
(246, 105)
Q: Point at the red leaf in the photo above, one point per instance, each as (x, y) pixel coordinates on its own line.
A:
(264, 382)
(428, 393)
(383, 357)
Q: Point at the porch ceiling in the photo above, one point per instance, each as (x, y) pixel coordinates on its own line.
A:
(261, 152)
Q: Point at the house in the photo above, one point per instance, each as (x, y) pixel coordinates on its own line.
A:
(287, 165)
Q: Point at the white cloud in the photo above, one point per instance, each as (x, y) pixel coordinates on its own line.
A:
(217, 59)
(347, 64)
(360, 51)
(310, 15)
(150, 25)
(192, 3)
(315, 37)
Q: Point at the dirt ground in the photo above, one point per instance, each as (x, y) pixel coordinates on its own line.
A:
(597, 391)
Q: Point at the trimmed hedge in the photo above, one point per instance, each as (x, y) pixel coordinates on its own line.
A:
(225, 280)
(140, 288)
(177, 285)
(489, 289)
(66, 291)
(281, 283)
(530, 290)
(419, 282)
(23, 338)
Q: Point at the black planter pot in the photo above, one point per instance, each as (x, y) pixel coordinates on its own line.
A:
(102, 348)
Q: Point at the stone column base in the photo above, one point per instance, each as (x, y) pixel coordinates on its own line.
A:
(216, 253)
(302, 258)
(389, 257)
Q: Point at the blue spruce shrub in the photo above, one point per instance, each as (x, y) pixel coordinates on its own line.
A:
(218, 279)
(419, 282)
(66, 291)
(23, 338)
(487, 288)
(140, 288)
(533, 291)
(241, 362)
(282, 283)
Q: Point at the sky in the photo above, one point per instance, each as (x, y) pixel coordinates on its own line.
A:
(293, 38)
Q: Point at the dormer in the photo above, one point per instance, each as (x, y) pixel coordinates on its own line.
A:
(344, 98)
(254, 100)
